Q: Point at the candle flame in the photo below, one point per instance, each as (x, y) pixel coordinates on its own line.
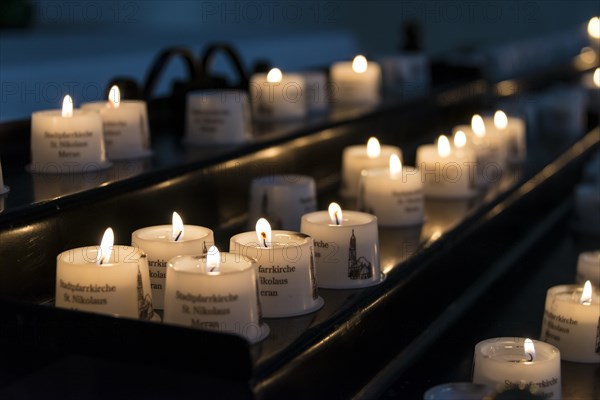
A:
(597, 77)
(586, 295)
(67, 107)
(114, 96)
(335, 213)
(359, 64)
(478, 125)
(460, 139)
(443, 146)
(176, 228)
(213, 260)
(106, 245)
(500, 120)
(274, 76)
(263, 232)
(529, 349)
(593, 27)
(373, 147)
(395, 166)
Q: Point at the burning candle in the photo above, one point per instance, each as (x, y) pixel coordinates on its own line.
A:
(588, 268)
(359, 158)
(507, 362)
(286, 269)
(163, 242)
(346, 247)
(512, 133)
(356, 82)
(126, 130)
(446, 173)
(572, 322)
(394, 195)
(278, 96)
(107, 279)
(217, 291)
(489, 150)
(67, 141)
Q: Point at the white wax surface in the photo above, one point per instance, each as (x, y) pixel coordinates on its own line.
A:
(226, 302)
(571, 326)
(355, 160)
(286, 272)
(396, 201)
(120, 287)
(347, 255)
(353, 87)
(280, 100)
(126, 129)
(450, 177)
(156, 242)
(500, 362)
(588, 268)
(67, 144)
(218, 117)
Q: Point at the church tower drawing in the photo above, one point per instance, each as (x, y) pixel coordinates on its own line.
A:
(358, 267)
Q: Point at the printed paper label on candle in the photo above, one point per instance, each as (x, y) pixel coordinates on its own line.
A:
(68, 144)
(76, 293)
(200, 308)
(208, 122)
(544, 389)
(559, 328)
(271, 277)
(157, 275)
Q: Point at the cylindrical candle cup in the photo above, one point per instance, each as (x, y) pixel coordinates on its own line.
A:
(120, 287)
(225, 301)
(156, 242)
(588, 268)
(451, 177)
(347, 255)
(283, 100)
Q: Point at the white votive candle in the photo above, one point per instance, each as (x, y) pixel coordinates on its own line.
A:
(507, 362)
(67, 140)
(278, 96)
(163, 242)
(346, 247)
(356, 82)
(511, 132)
(588, 267)
(286, 269)
(126, 129)
(359, 158)
(572, 322)
(394, 194)
(446, 173)
(217, 291)
(108, 279)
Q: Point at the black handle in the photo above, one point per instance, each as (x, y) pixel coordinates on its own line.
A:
(161, 62)
(212, 50)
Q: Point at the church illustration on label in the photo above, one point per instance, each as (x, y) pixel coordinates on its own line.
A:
(358, 267)
(313, 275)
(145, 309)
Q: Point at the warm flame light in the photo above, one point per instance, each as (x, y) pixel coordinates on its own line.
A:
(335, 213)
(263, 232)
(443, 145)
(594, 27)
(478, 125)
(359, 64)
(213, 260)
(114, 96)
(529, 349)
(274, 76)
(67, 107)
(460, 139)
(176, 228)
(586, 295)
(597, 77)
(395, 166)
(373, 147)
(500, 120)
(106, 245)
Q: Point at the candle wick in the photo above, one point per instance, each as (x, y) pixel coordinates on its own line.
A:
(178, 235)
(212, 269)
(337, 221)
(530, 357)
